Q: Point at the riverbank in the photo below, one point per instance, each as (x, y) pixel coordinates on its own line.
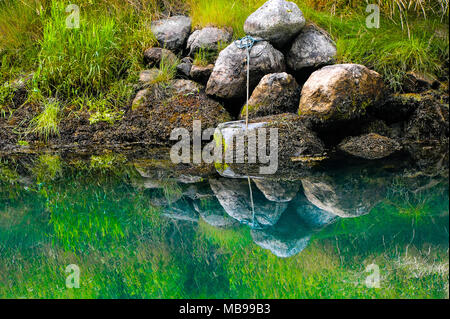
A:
(131, 93)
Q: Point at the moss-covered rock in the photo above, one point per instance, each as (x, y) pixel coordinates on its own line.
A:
(276, 93)
(369, 146)
(295, 143)
(339, 93)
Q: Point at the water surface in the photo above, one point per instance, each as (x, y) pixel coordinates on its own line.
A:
(148, 231)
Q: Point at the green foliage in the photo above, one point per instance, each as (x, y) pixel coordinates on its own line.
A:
(47, 168)
(6, 93)
(77, 60)
(89, 215)
(204, 57)
(46, 123)
(167, 71)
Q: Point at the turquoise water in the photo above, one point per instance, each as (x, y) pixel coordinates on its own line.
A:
(143, 229)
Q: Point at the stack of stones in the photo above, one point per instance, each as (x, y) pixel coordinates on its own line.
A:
(292, 71)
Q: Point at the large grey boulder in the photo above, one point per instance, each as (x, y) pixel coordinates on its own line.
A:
(313, 47)
(208, 38)
(234, 196)
(369, 146)
(276, 93)
(340, 92)
(172, 32)
(276, 21)
(229, 76)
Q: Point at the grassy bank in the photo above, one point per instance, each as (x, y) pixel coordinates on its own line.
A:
(93, 67)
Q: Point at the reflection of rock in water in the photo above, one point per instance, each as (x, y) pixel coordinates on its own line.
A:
(181, 210)
(234, 196)
(287, 238)
(277, 191)
(213, 213)
(311, 215)
(344, 195)
(159, 197)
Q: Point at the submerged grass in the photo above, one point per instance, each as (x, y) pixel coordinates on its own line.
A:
(125, 249)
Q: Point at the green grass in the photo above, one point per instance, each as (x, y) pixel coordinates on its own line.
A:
(388, 50)
(46, 123)
(204, 57)
(167, 71)
(77, 61)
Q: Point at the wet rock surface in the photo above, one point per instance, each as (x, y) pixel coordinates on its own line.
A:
(234, 196)
(293, 141)
(429, 122)
(276, 21)
(349, 195)
(180, 210)
(154, 56)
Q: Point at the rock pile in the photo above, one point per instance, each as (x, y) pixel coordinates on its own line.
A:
(292, 71)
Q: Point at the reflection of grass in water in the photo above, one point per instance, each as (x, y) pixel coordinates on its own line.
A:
(151, 274)
(7, 174)
(172, 191)
(107, 161)
(47, 168)
(89, 216)
(124, 249)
